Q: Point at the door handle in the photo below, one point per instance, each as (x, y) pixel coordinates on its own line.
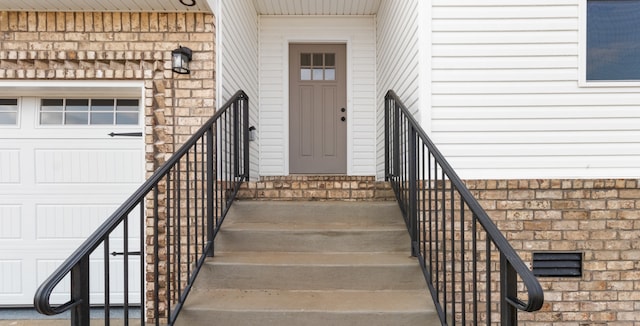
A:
(342, 110)
(126, 134)
(343, 119)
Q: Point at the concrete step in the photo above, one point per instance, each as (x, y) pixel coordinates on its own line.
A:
(282, 307)
(315, 213)
(311, 263)
(318, 271)
(313, 226)
(306, 238)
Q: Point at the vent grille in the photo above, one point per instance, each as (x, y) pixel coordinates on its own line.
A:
(557, 264)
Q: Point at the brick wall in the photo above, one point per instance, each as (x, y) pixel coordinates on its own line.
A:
(68, 46)
(120, 46)
(303, 187)
(600, 218)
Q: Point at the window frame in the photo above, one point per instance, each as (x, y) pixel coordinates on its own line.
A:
(582, 56)
(89, 124)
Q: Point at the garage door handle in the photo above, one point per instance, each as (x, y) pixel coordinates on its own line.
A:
(126, 134)
(132, 253)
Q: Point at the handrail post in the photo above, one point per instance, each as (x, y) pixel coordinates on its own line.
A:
(413, 192)
(210, 186)
(245, 136)
(236, 137)
(508, 284)
(80, 293)
(386, 137)
(395, 166)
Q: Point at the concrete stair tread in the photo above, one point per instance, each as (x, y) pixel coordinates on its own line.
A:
(311, 227)
(309, 301)
(327, 212)
(314, 258)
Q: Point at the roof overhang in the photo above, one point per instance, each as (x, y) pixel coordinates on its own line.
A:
(106, 6)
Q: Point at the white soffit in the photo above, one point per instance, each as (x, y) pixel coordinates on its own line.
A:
(105, 5)
(317, 7)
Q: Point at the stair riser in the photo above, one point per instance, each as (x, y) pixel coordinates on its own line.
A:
(311, 277)
(302, 241)
(307, 318)
(265, 212)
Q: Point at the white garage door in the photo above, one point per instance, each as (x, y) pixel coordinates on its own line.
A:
(61, 175)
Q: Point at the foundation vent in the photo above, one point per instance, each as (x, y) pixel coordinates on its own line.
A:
(557, 264)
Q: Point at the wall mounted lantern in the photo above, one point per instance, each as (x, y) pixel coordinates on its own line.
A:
(180, 59)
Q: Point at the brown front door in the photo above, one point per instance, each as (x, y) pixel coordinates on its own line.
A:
(317, 108)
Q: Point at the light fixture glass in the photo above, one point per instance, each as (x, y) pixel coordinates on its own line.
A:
(180, 59)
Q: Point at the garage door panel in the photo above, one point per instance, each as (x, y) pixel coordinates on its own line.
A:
(11, 286)
(75, 221)
(11, 222)
(87, 166)
(69, 221)
(10, 163)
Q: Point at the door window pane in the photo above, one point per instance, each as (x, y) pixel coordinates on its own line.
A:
(76, 118)
(77, 105)
(102, 105)
(128, 105)
(330, 74)
(305, 59)
(330, 59)
(317, 59)
(317, 74)
(305, 74)
(101, 118)
(126, 118)
(51, 118)
(51, 111)
(8, 111)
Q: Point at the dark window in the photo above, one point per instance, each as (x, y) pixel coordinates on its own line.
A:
(613, 40)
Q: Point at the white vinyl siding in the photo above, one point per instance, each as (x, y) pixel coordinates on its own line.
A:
(276, 32)
(506, 101)
(398, 48)
(238, 67)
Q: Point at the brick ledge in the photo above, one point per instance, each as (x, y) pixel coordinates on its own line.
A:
(317, 187)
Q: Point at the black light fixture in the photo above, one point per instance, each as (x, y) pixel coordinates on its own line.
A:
(180, 59)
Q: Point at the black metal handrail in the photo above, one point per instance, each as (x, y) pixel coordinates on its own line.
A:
(467, 262)
(184, 204)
